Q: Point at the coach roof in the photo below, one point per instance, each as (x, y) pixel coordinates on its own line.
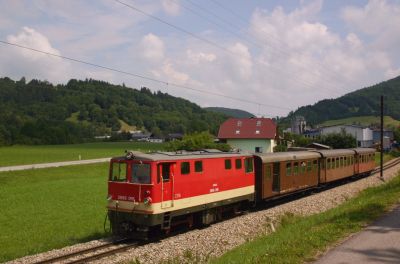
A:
(336, 152)
(283, 156)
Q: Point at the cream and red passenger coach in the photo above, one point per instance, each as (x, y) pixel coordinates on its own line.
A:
(156, 191)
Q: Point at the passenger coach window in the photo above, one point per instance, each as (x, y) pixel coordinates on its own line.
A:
(295, 168)
(185, 168)
(141, 173)
(315, 165)
(198, 166)
(118, 172)
(248, 164)
(309, 168)
(267, 171)
(303, 167)
(288, 169)
(228, 164)
(238, 163)
(329, 164)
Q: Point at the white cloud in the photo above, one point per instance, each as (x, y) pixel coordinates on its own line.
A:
(171, 7)
(152, 47)
(200, 56)
(21, 62)
(241, 64)
(173, 75)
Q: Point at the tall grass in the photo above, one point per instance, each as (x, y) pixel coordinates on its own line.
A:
(51, 208)
(19, 155)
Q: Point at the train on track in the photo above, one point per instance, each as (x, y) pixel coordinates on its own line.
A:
(154, 192)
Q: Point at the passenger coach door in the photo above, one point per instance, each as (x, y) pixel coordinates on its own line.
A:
(276, 177)
(267, 180)
(166, 173)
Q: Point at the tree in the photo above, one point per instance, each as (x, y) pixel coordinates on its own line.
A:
(197, 141)
(338, 140)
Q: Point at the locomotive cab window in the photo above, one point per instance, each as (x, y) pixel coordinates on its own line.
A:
(198, 166)
(141, 173)
(164, 172)
(228, 164)
(185, 167)
(118, 172)
(238, 164)
(248, 165)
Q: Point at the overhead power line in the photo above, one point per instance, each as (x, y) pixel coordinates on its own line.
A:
(333, 74)
(141, 76)
(302, 81)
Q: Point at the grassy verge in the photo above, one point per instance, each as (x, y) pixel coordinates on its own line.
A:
(19, 155)
(300, 239)
(386, 158)
(51, 208)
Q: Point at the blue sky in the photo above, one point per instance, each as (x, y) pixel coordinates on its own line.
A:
(272, 55)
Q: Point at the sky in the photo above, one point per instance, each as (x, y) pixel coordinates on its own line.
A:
(265, 57)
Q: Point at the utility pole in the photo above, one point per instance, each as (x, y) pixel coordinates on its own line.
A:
(381, 169)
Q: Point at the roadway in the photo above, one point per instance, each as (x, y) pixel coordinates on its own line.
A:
(378, 243)
(52, 164)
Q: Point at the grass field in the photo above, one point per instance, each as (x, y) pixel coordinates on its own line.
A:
(363, 120)
(300, 239)
(20, 155)
(51, 208)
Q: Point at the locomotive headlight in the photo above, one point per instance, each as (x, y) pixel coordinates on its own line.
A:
(147, 200)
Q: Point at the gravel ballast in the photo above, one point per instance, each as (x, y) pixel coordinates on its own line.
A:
(223, 236)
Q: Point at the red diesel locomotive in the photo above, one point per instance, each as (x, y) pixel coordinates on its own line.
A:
(153, 192)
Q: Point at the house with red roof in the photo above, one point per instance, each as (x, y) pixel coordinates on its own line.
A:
(249, 134)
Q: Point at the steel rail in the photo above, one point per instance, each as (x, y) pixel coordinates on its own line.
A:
(104, 254)
(80, 252)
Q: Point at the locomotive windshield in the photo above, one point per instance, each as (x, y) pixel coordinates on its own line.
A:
(141, 173)
(118, 171)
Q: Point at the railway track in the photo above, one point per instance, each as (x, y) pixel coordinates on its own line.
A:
(390, 164)
(92, 253)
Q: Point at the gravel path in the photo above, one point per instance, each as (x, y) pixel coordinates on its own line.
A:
(52, 164)
(223, 236)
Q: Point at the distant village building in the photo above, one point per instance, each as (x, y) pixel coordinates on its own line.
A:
(386, 133)
(363, 135)
(298, 125)
(249, 134)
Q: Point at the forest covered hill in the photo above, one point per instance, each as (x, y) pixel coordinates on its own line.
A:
(363, 102)
(236, 113)
(38, 112)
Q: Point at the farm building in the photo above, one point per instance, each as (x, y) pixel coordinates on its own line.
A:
(249, 134)
(362, 134)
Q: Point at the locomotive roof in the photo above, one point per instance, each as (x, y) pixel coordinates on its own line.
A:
(179, 155)
(291, 155)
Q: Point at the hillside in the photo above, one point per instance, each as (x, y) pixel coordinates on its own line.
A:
(39, 112)
(363, 120)
(237, 113)
(363, 102)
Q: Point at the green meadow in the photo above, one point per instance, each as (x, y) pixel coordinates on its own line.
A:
(51, 208)
(20, 155)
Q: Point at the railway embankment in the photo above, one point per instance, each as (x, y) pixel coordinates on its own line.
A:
(230, 236)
